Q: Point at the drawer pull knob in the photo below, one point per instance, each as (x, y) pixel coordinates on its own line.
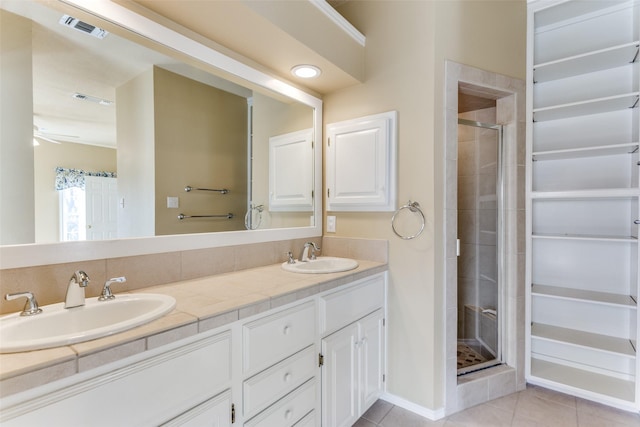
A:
(286, 330)
(288, 414)
(287, 377)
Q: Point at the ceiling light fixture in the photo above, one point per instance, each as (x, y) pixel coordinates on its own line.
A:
(306, 71)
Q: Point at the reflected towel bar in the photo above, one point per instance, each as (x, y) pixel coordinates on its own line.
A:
(183, 216)
(188, 188)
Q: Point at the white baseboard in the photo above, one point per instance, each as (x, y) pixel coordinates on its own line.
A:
(412, 407)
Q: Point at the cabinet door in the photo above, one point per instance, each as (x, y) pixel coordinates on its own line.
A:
(361, 164)
(291, 171)
(371, 347)
(215, 412)
(339, 378)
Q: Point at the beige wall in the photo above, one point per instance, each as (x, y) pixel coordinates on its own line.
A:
(136, 148)
(201, 141)
(48, 156)
(407, 44)
(16, 131)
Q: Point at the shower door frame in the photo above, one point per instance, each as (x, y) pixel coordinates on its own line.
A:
(500, 244)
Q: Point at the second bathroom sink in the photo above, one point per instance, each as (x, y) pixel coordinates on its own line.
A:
(325, 264)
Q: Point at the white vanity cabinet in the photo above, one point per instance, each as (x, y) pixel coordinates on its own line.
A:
(353, 351)
(148, 392)
(583, 194)
(261, 371)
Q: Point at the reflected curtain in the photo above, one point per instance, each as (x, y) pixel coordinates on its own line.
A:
(67, 178)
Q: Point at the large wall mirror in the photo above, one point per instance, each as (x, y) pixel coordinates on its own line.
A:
(125, 137)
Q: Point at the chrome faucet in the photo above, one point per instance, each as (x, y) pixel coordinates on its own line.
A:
(30, 307)
(106, 289)
(304, 255)
(75, 290)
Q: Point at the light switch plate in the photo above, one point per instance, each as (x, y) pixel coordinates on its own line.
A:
(331, 224)
(173, 202)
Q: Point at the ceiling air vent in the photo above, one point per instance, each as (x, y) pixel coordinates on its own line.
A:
(76, 24)
(94, 99)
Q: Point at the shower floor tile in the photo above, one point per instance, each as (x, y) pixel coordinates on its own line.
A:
(468, 357)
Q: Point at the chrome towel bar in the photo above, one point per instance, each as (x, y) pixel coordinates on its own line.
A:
(188, 188)
(183, 216)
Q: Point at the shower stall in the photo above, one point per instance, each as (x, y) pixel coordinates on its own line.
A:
(480, 240)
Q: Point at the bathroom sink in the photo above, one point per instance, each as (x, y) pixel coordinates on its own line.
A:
(325, 264)
(57, 326)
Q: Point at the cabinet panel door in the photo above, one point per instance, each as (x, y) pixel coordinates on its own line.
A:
(291, 171)
(339, 378)
(215, 412)
(361, 164)
(146, 393)
(371, 359)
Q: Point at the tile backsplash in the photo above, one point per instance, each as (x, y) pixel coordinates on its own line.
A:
(49, 282)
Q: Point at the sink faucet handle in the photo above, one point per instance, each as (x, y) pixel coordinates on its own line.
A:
(30, 307)
(81, 278)
(290, 258)
(106, 289)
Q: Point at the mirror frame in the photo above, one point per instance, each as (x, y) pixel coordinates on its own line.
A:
(17, 256)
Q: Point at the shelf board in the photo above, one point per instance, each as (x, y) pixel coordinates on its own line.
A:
(570, 12)
(605, 343)
(605, 298)
(629, 239)
(598, 60)
(578, 378)
(574, 153)
(583, 108)
(609, 193)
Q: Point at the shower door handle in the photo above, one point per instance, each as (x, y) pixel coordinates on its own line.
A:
(457, 247)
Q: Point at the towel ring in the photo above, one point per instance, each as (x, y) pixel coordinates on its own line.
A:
(413, 207)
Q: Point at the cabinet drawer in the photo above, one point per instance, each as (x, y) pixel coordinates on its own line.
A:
(343, 307)
(272, 338)
(268, 386)
(308, 421)
(289, 410)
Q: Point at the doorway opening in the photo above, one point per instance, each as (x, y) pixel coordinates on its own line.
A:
(480, 232)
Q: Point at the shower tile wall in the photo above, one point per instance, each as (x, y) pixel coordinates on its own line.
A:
(477, 212)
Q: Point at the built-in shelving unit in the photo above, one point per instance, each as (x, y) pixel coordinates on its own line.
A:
(583, 198)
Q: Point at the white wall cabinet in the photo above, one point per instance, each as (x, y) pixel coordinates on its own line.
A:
(583, 195)
(361, 164)
(291, 171)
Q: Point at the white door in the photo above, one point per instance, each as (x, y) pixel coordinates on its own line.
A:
(339, 378)
(371, 359)
(102, 202)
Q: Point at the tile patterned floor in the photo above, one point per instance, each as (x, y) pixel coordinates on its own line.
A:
(533, 407)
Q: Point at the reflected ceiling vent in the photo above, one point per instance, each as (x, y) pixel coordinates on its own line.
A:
(76, 24)
(94, 99)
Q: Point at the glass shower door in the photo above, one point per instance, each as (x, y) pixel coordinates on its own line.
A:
(480, 245)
